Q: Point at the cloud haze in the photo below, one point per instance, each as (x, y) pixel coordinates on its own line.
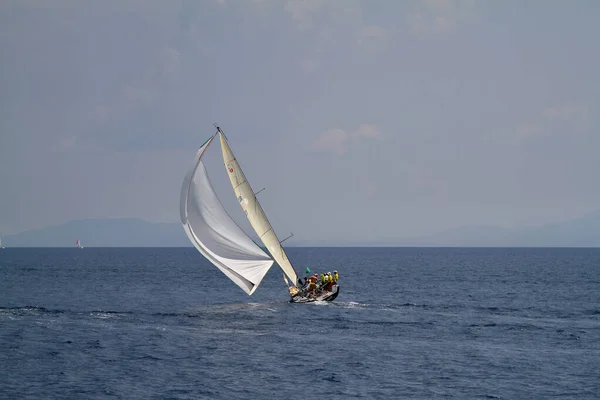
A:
(337, 139)
(362, 119)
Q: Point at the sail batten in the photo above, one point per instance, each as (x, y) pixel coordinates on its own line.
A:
(214, 233)
(254, 210)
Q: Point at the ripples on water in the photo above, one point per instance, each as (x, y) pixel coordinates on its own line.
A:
(409, 323)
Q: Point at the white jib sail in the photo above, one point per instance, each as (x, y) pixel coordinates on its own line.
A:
(215, 234)
(254, 211)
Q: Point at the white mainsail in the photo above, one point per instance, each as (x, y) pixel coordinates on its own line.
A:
(254, 211)
(215, 234)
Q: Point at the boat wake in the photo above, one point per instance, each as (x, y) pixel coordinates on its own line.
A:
(215, 310)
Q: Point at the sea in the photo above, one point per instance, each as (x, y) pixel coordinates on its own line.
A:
(409, 323)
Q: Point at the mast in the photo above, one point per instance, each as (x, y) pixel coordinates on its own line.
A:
(254, 211)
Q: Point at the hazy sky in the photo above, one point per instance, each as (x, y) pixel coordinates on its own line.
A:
(364, 120)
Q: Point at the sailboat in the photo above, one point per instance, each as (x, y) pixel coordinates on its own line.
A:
(218, 237)
(78, 244)
(1, 247)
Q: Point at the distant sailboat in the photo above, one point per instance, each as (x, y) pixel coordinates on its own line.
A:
(218, 237)
(78, 244)
(1, 247)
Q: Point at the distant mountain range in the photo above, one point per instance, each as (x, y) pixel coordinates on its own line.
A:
(579, 232)
(118, 232)
(134, 232)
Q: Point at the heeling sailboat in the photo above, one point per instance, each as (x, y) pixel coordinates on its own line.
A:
(78, 244)
(216, 236)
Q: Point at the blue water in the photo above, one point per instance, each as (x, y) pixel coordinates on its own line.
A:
(408, 323)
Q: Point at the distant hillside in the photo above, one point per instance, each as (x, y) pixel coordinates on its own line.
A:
(578, 232)
(122, 232)
(133, 232)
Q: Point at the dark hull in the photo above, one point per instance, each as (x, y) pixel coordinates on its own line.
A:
(329, 296)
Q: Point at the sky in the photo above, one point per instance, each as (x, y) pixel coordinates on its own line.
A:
(364, 120)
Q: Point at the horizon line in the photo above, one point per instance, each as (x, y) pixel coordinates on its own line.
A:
(329, 246)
